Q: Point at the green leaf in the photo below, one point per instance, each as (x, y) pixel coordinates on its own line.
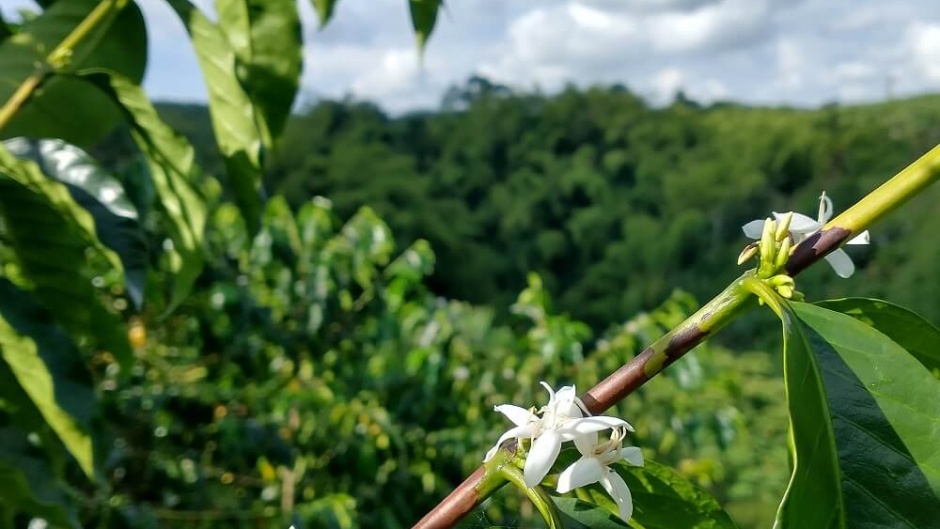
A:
(423, 18)
(116, 219)
(864, 417)
(324, 10)
(266, 37)
(664, 499)
(232, 112)
(907, 328)
(170, 159)
(48, 368)
(67, 107)
(50, 234)
(578, 514)
(28, 483)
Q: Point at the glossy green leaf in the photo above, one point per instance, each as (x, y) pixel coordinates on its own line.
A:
(266, 37)
(28, 483)
(67, 107)
(324, 10)
(50, 235)
(116, 219)
(48, 368)
(579, 514)
(170, 159)
(864, 417)
(907, 328)
(231, 109)
(664, 499)
(423, 18)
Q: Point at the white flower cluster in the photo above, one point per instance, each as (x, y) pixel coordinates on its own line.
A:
(802, 226)
(565, 418)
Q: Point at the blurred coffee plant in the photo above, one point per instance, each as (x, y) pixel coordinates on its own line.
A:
(312, 378)
(179, 352)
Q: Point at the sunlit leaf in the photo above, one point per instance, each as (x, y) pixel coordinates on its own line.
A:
(67, 107)
(266, 37)
(232, 112)
(907, 328)
(170, 159)
(423, 18)
(50, 235)
(48, 368)
(864, 417)
(116, 220)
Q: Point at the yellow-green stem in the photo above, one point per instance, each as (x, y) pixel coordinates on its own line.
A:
(21, 96)
(542, 501)
(896, 191)
(55, 58)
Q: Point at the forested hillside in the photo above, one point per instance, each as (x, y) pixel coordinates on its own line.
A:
(610, 200)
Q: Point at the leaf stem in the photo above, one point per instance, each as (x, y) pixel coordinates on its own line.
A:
(57, 58)
(537, 495)
(715, 315)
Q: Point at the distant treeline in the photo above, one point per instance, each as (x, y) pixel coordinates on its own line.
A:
(613, 202)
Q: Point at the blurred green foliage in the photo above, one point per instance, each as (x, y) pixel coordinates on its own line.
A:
(324, 369)
(603, 196)
(612, 202)
(314, 379)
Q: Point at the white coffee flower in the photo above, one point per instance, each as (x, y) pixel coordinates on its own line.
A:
(562, 419)
(594, 467)
(803, 226)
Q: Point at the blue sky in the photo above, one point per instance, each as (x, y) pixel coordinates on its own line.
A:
(797, 52)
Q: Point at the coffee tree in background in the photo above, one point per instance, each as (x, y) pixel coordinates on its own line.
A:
(178, 350)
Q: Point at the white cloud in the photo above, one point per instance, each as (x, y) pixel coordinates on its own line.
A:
(666, 83)
(710, 27)
(790, 64)
(393, 76)
(766, 51)
(648, 6)
(924, 41)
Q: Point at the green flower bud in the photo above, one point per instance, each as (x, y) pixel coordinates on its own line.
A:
(783, 227)
(748, 252)
(783, 253)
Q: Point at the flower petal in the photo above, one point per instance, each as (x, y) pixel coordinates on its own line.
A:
(519, 416)
(801, 224)
(861, 238)
(618, 490)
(551, 392)
(518, 432)
(841, 263)
(582, 472)
(565, 403)
(753, 229)
(541, 457)
(825, 208)
(586, 443)
(632, 455)
(576, 427)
